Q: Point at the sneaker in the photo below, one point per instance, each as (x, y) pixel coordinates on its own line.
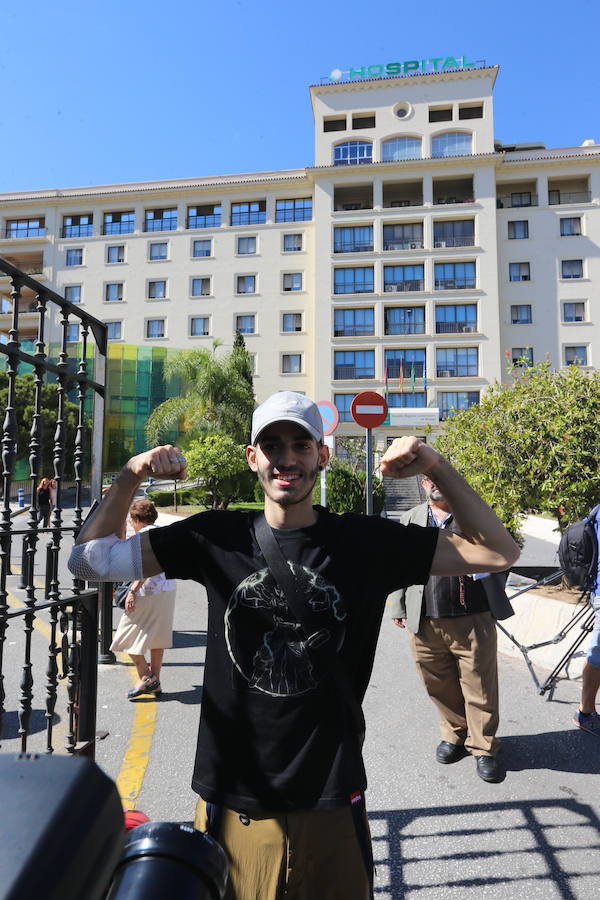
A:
(588, 722)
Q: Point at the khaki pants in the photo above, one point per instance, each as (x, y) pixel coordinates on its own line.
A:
(313, 855)
(457, 660)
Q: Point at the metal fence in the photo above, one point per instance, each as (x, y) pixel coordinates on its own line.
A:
(53, 678)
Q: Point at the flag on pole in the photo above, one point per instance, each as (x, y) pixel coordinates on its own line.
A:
(401, 375)
(385, 382)
(412, 377)
(425, 381)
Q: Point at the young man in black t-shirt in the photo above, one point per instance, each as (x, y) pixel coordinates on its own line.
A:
(279, 766)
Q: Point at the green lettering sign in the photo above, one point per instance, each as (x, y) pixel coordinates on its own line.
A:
(435, 64)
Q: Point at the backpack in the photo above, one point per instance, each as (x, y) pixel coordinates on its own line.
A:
(578, 552)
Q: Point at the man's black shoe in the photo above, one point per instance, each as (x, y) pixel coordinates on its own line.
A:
(488, 769)
(449, 753)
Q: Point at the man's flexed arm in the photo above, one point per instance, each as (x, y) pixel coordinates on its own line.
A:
(99, 554)
(485, 544)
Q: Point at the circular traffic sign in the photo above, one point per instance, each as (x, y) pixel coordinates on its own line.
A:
(369, 409)
(330, 416)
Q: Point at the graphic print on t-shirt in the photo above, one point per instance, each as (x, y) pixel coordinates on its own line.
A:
(270, 649)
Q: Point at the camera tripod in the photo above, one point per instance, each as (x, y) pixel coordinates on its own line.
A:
(583, 616)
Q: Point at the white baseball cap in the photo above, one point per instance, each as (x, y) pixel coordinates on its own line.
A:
(288, 406)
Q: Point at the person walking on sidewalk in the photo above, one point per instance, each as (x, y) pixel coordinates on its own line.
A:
(279, 766)
(586, 716)
(453, 641)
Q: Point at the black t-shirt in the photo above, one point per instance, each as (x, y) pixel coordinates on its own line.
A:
(274, 732)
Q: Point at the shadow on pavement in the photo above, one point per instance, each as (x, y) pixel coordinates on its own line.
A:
(535, 848)
(182, 639)
(562, 751)
(37, 722)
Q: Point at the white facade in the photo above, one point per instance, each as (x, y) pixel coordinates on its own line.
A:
(416, 254)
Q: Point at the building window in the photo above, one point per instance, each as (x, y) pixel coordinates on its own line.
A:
(292, 281)
(454, 276)
(471, 112)
(353, 153)
(404, 363)
(440, 114)
(574, 312)
(408, 236)
(354, 364)
(454, 234)
(353, 322)
(161, 220)
(453, 143)
(403, 278)
(404, 320)
(115, 253)
(334, 124)
(246, 246)
(202, 247)
(207, 216)
(571, 268)
(72, 334)
(519, 271)
(407, 401)
(291, 363)
(200, 287)
(356, 239)
(74, 257)
(570, 226)
(353, 281)
(400, 148)
(246, 284)
(78, 226)
(293, 210)
(457, 362)
(24, 228)
(522, 356)
(113, 292)
(155, 328)
(157, 290)
(291, 322)
(520, 314)
(73, 293)
(199, 326)
(343, 402)
(253, 213)
(119, 222)
(158, 251)
(292, 243)
(518, 230)
(113, 331)
(576, 355)
(456, 319)
(450, 402)
(245, 324)
(363, 120)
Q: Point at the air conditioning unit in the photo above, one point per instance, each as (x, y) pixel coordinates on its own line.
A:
(524, 277)
(444, 373)
(438, 244)
(469, 329)
(350, 206)
(390, 287)
(414, 246)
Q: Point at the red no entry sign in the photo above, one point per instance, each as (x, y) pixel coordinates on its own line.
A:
(369, 409)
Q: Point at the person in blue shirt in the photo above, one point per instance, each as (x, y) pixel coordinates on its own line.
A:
(586, 716)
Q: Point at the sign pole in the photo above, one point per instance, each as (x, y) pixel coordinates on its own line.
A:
(369, 473)
(323, 488)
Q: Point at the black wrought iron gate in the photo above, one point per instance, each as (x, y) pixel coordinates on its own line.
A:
(48, 620)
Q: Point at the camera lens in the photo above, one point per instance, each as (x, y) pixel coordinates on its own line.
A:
(164, 859)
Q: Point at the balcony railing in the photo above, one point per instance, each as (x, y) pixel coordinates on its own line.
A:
(354, 287)
(440, 243)
(454, 284)
(160, 224)
(72, 231)
(403, 244)
(558, 197)
(341, 373)
(258, 217)
(415, 284)
(293, 215)
(405, 328)
(24, 231)
(354, 331)
(517, 201)
(124, 227)
(209, 221)
(443, 201)
(406, 201)
(393, 368)
(455, 371)
(353, 247)
(455, 327)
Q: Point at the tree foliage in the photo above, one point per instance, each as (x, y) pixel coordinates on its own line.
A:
(217, 396)
(346, 490)
(532, 445)
(216, 460)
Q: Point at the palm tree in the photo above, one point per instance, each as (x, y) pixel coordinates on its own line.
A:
(217, 396)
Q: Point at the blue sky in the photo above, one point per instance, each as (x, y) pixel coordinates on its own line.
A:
(125, 90)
